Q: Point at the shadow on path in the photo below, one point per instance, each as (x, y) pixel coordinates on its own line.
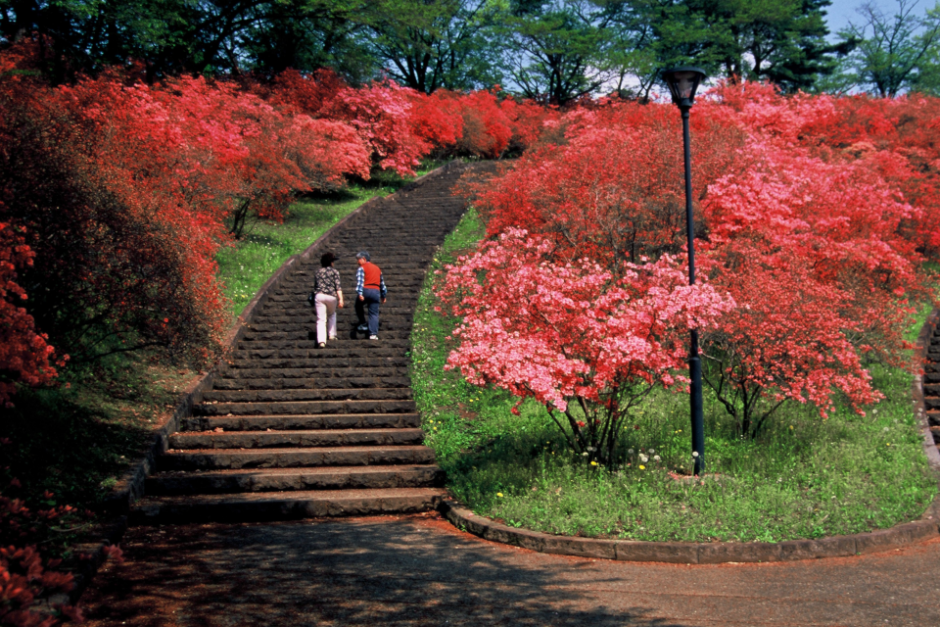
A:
(364, 572)
(415, 571)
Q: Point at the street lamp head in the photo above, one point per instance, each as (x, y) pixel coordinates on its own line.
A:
(682, 83)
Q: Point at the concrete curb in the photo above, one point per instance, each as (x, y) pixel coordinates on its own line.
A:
(920, 407)
(698, 553)
(130, 486)
(926, 528)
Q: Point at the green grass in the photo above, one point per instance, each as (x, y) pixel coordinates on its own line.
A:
(803, 478)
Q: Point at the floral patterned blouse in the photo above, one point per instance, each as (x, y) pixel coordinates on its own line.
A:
(327, 281)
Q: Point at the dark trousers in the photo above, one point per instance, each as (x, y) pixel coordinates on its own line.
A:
(371, 300)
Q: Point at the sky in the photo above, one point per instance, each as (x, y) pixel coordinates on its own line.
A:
(841, 12)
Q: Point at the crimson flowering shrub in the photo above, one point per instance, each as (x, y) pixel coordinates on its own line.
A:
(123, 192)
(25, 357)
(381, 114)
(437, 119)
(528, 121)
(303, 93)
(486, 128)
(819, 244)
(26, 576)
(116, 266)
(571, 333)
(610, 192)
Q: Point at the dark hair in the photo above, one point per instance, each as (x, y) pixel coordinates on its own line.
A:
(326, 259)
(363, 255)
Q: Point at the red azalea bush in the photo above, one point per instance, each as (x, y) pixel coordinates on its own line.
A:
(123, 192)
(119, 262)
(24, 354)
(528, 121)
(817, 244)
(437, 119)
(381, 114)
(572, 334)
(486, 128)
(25, 575)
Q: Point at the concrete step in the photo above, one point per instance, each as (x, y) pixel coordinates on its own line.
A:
(307, 383)
(201, 440)
(350, 350)
(283, 479)
(215, 459)
(264, 394)
(261, 506)
(317, 374)
(287, 422)
(331, 362)
(395, 406)
(401, 335)
(292, 341)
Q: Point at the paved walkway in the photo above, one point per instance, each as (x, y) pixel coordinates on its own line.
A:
(420, 571)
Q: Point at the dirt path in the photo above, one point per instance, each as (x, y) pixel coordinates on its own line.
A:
(418, 570)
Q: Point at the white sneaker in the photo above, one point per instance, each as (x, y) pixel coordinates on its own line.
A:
(373, 337)
(331, 337)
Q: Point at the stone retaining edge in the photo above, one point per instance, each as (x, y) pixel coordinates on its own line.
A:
(926, 528)
(920, 407)
(130, 487)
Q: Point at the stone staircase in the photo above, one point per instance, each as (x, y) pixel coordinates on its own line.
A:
(289, 430)
(932, 383)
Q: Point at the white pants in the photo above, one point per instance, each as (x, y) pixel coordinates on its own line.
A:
(326, 317)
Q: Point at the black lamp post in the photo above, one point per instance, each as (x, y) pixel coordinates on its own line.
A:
(682, 82)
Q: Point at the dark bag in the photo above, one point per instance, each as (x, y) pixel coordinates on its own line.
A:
(312, 298)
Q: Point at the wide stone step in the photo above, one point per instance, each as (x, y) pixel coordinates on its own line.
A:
(400, 335)
(297, 422)
(333, 361)
(307, 407)
(261, 506)
(402, 392)
(298, 309)
(282, 479)
(402, 282)
(933, 418)
(359, 350)
(340, 343)
(316, 375)
(214, 459)
(294, 439)
(932, 402)
(308, 317)
(301, 329)
(327, 385)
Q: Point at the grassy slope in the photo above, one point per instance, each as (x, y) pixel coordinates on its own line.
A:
(805, 478)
